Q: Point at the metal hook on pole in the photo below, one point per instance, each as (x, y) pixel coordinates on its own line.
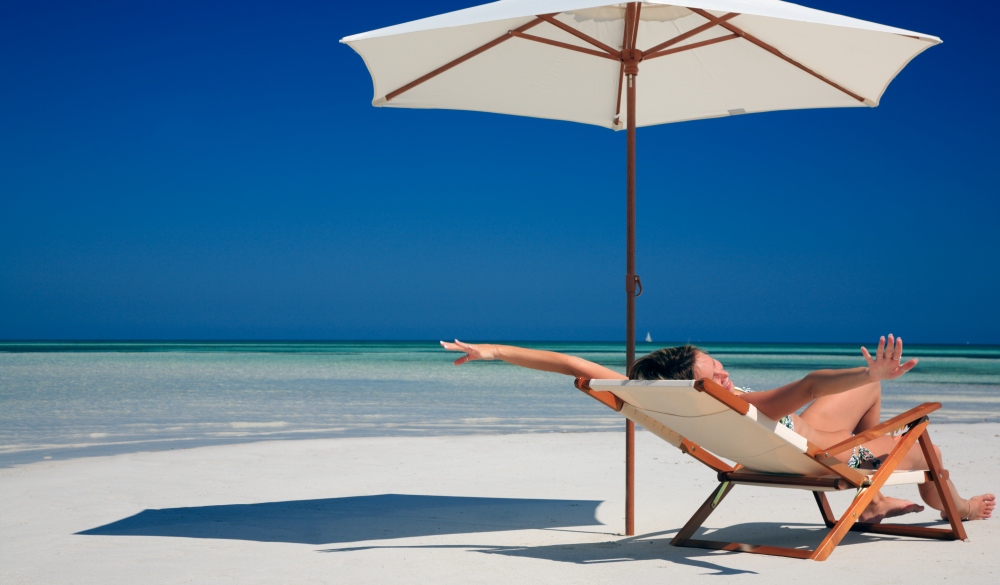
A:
(633, 284)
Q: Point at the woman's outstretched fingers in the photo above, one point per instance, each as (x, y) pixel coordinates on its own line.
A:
(451, 346)
(473, 352)
(886, 363)
(459, 346)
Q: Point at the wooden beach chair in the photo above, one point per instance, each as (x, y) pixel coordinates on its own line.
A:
(707, 422)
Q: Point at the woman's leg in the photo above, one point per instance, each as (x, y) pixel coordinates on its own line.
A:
(855, 410)
(838, 416)
(852, 411)
(975, 508)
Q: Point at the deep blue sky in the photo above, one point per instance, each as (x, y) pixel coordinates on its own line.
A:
(215, 170)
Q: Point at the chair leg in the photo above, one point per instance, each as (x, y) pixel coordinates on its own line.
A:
(866, 494)
(703, 513)
(939, 477)
(843, 526)
(683, 537)
(849, 520)
(894, 529)
(904, 530)
(824, 508)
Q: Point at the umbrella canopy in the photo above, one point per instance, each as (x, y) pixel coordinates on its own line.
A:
(560, 59)
(580, 60)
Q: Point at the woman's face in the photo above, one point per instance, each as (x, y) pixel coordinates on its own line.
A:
(705, 366)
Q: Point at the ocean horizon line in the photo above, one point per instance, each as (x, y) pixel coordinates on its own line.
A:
(13, 341)
(331, 347)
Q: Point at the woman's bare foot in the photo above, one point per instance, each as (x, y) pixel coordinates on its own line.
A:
(979, 507)
(883, 507)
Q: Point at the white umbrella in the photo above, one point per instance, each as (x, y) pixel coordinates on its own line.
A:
(560, 59)
(579, 60)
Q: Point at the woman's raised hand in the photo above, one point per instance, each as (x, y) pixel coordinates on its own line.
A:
(885, 365)
(472, 352)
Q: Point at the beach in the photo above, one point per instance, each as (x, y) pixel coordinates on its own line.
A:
(361, 462)
(228, 254)
(444, 509)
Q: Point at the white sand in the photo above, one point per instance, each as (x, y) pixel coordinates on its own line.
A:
(278, 512)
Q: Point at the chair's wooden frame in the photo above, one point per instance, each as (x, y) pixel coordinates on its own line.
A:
(841, 478)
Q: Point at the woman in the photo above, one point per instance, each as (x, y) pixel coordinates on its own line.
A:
(841, 403)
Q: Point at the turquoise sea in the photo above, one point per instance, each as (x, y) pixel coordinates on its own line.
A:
(62, 399)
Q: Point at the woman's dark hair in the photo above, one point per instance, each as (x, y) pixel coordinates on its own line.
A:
(669, 363)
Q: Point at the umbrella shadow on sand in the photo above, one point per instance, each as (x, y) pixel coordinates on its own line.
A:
(354, 519)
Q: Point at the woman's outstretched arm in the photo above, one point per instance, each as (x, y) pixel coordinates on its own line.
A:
(791, 397)
(547, 361)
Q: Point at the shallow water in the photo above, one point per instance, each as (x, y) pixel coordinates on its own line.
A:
(76, 399)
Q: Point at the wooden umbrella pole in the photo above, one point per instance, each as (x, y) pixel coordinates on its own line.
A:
(630, 60)
(630, 309)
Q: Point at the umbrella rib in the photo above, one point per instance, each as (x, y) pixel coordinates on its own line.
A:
(635, 24)
(618, 106)
(543, 40)
(712, 21)
(729, 37)
(626, 40)
(627, 34)
(509, 34)
(549, 18)
(771, 49)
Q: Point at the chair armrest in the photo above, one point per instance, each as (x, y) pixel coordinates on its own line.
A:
(603, 396)
(694, 450)
(893, 423)
(716, 391)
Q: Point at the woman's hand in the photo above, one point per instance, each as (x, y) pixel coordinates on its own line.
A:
(885, 365)
(472, 352)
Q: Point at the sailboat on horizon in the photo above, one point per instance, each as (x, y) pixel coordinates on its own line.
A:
(649, 339)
